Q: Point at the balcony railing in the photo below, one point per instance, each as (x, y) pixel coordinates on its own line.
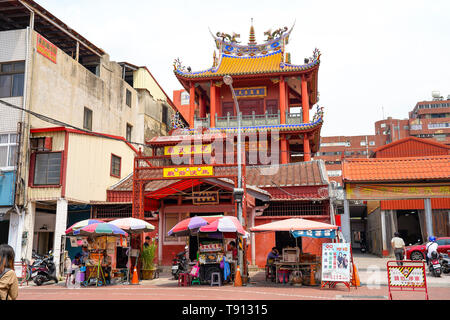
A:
(252, 120)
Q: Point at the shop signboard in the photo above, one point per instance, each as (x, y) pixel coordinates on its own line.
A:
(253, 92)
(336, 258)
(199, 171)
(46, 48)
(386, 192)
(410, 276)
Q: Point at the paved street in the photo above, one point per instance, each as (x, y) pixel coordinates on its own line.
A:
(372, 272)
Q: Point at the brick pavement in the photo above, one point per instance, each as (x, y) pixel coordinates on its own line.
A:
(372, 271)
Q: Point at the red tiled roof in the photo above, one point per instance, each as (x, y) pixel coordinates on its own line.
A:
(397, 169)
(272, 179)
(411, 146)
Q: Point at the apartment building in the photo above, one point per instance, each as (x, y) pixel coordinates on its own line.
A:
(72, 122)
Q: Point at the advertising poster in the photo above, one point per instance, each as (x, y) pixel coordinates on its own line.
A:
(336, 262)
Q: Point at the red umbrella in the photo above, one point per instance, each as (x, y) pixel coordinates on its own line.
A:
(224, 224)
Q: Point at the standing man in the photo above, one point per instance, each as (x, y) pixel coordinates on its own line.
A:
(399, 248)
(147, 241)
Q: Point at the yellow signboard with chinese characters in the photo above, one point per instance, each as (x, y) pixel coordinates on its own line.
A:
(180, 150)
(200, 171)
(389, 192)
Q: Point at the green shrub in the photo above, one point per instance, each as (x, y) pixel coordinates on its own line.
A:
(148, 256)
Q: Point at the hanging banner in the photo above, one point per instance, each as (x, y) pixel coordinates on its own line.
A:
(386, 192)
(336, 265)
(188, 171)
(324, 233)
(46, 48)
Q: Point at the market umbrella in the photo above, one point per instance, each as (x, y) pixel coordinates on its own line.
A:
(103, 228)
(186, 226)
(82, 224)
(133, 225)
(224, 224)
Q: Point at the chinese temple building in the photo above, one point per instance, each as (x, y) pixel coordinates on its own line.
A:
(194, 171)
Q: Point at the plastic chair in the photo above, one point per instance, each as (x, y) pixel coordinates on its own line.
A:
(195, 280)
(215, 279)
(183, 280)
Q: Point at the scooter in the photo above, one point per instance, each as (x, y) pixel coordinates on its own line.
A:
(434, 266)
(179, 264)
(44, 270)
(445, 263)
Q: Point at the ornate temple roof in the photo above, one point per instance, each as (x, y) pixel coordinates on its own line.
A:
(236, 59)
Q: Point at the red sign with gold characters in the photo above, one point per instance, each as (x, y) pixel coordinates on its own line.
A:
(46, 48)
(386, 192)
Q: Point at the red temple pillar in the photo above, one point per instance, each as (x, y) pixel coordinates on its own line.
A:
(212, 103)
(202, 107)
(284, 150)
(306, 148)
(305, 100)
(191, 104)
(282, 101)
(305, 108)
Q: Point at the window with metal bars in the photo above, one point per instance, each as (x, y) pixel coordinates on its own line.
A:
(297, 208)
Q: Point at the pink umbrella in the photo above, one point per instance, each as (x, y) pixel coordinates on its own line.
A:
(224, 224)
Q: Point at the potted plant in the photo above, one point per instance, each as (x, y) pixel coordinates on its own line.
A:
(148, 264)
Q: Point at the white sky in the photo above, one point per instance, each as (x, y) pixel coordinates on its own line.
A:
(375, 54)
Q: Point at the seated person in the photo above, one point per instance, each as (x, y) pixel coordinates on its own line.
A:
(273, 254)
(77, 260)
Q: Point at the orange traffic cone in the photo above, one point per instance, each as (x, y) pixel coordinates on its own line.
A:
(237, 278)
(355, 280)
(135, 279)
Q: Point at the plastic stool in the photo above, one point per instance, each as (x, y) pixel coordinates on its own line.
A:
(195, 280)
(215, 279)
(183, 280)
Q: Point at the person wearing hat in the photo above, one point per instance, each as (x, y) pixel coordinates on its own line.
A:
(399, 248)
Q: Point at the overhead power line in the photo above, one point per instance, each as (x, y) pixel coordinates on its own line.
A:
(64, 124)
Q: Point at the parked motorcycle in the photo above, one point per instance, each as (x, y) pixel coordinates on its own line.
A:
(179, 264)
(434, 266)
(445, 263)
(43, 270)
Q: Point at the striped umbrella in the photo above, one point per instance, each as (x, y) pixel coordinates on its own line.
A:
(133, 225)
(224, 224)
(81, 224)
(103, 228)
(185, 227)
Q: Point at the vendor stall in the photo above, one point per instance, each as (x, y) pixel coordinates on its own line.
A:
(293, 265)
(211, 234)
(101, 241)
